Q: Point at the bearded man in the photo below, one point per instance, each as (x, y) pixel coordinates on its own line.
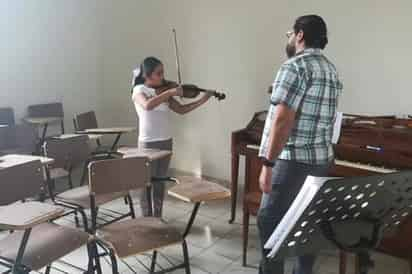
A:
(297, 137)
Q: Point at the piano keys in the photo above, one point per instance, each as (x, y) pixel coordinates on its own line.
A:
(367, 168)
(348, 164)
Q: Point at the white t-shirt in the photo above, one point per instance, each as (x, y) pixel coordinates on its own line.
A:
(154, 125)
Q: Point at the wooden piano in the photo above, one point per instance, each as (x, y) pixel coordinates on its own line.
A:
(244, 142)
(367, 145)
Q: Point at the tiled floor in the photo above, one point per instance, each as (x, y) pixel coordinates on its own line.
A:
(214, 245)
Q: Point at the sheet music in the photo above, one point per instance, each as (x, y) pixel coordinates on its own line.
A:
(299, 205)
(337, 128)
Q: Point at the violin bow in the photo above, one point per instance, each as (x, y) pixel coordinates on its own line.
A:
(179, 74)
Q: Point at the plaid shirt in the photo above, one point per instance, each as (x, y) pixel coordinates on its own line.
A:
(307, 83)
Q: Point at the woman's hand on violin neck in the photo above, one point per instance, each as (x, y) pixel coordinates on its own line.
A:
(177, 91)
(207, 95)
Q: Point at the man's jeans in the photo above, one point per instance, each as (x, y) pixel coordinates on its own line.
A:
(287, 180)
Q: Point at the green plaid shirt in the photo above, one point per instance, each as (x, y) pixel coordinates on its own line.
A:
(309, 84)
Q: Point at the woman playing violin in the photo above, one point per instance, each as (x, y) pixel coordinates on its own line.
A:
(153, 109)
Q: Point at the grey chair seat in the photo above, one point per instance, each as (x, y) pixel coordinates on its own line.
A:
(81, 196)
(39, 251)
(135, 236)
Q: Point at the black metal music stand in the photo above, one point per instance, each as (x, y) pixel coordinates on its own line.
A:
(351, 214)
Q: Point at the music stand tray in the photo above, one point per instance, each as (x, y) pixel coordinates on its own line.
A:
(351, 214)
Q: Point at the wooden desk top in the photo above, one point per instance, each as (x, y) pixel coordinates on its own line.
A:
(108, 130)
(11, 160)
(193, 190)
(21, 216)
(151, 154)
(42, 120)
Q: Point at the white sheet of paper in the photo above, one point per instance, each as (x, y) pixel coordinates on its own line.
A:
(302, 201)
(337, 128)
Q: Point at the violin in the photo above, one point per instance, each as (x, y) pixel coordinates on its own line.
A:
(189, 90)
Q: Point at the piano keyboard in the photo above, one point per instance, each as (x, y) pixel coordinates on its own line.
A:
(256, 147)
(349, 164)
(364, 166)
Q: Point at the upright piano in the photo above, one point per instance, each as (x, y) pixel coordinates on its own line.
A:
(367, 145)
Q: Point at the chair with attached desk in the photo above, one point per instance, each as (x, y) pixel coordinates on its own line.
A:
(69, 153)
(88, 120)
(34, 241)
(7, 116)
(43, 115)
(140, 235)
(130, 237)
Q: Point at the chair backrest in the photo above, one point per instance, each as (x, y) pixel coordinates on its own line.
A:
(46, 110)
(119, 175)
(26, 137)
(7, 116)
(85, 120)
(4, 138)
(21, 182)
(22, 137)
(68, 152)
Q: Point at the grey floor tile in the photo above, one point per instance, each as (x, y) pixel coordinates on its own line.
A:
(211, 262)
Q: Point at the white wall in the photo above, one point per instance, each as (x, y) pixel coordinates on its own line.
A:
(238, 46)
(82, 52)
(49, 52)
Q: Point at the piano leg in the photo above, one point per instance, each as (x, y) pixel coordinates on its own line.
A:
(245, 234)
(234, 185)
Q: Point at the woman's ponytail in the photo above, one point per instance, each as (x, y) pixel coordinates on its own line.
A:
(146, 68)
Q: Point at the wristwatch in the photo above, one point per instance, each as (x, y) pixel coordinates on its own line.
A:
(267, 162)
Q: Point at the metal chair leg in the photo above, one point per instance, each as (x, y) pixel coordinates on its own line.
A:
(153, 264)
(115, 269)
(131, 206)
(90, 265)
(17, 267)
(186, 257)
(70, 180)
(76, 219)
(97, 259)
(84, 173)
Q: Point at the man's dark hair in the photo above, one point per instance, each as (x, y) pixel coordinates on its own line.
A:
(314, 29)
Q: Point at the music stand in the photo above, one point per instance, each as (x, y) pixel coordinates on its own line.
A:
(351, 214)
